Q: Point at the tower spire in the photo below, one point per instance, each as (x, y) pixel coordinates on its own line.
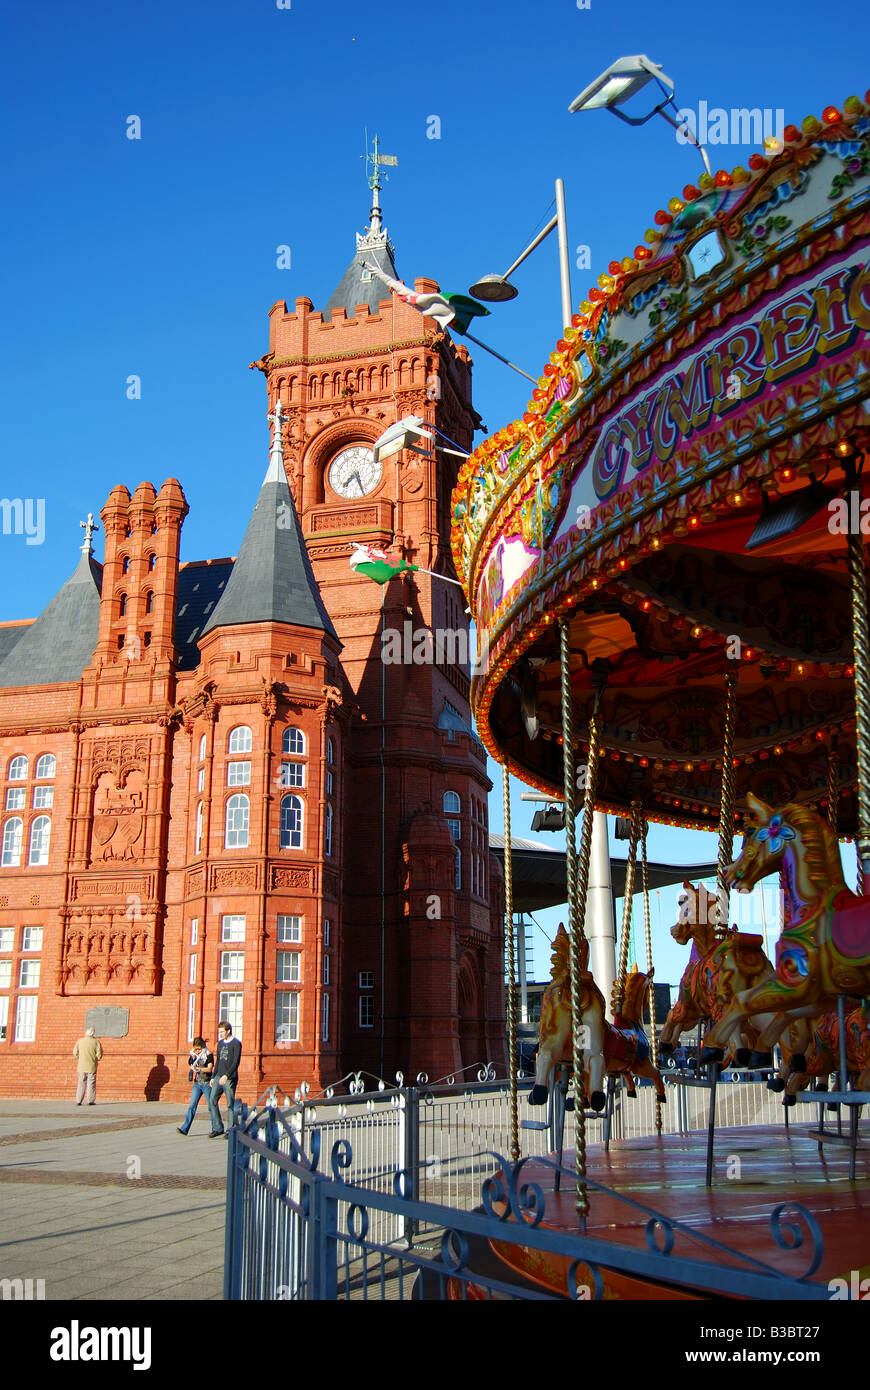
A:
(275, 471)
(376, 233)
(90, 526)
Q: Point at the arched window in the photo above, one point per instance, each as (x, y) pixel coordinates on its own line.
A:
(451, 804)
(327, 837)
(17, 769)
(293, 741)
(330, 752)
(241, 740)
(291, 822)
(152, 562)
(46, 766)
(198, 846)
(385, 378)
(122, 606)
(149, 602)
(13, 832)
(312, 389)
(238, 816)
(202, 748)
(40, 835)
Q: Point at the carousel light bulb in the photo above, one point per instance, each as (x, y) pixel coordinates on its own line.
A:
(696, 631)
(646, 606)
(656, 543)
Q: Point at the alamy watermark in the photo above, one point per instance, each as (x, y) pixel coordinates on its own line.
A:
(24, 517)
(441, 646)
(741, 125)
(22, 1290)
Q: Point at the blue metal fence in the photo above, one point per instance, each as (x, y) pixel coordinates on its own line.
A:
(299, 1228)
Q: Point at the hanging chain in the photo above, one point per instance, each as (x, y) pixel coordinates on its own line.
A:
(512, 988)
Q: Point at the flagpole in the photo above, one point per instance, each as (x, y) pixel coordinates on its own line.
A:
(472, 339)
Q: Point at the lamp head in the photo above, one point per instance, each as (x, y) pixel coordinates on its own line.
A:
(620, 81)
(494, 288)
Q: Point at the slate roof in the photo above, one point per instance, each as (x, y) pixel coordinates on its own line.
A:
(59, 644)
(272, 580)
(9, 635)
(200, 587)
(352, 289)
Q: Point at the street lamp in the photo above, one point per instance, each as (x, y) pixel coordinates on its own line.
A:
(405, 434)
(498, 289)
(622, 80)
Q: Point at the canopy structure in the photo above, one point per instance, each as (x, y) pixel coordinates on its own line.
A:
(684, 491)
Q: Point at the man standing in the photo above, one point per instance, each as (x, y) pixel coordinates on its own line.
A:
(88, 1052)
(226, 1072)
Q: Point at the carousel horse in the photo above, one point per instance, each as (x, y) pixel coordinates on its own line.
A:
(719, 968)
(811, 1050)
(824, 949)
(620, 1048)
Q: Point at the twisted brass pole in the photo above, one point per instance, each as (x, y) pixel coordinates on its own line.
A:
(512, 988)
(627, 900)
(726, 805)
(577, 874)
(833, 781)
(861, 640)
(654, 1042)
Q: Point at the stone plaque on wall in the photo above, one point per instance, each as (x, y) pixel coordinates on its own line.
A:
(108, 1021)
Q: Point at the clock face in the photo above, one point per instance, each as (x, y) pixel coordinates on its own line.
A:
(353, 472)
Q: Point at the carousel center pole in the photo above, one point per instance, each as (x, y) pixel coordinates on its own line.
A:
(512, 989)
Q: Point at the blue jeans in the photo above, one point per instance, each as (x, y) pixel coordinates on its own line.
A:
(200, 1089)
(229, 1091)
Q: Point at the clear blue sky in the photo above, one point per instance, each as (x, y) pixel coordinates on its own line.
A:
(157, 257)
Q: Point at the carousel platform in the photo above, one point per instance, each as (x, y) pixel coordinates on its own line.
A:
(666, 1174)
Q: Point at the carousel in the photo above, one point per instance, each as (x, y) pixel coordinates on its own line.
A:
(665, 559)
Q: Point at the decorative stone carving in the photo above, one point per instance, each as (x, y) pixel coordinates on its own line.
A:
(118, 816)
(291, 878)
(240, 877)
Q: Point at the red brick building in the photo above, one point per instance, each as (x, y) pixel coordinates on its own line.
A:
(218, 801)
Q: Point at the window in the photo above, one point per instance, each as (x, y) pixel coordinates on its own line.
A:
(4, 1015)
(324, 1018)
(328, 782)
(232, 966)
(46, 766)
(241, 740)
(16, 798)
(366, 1011)
(31, 939)
(455, 827)
(291, 823)
(122, 606)
(289, 929)
(5, 974)
(25, 1018)
(200, 780)
(287, 968)
(233, 928)
(43, 798)
(125, 569)
(152, 562)
(238, 774)
(194, 930)
(191, 1016)
(191, 980)
(327, 836)
(327, 931)
(198, 846)
(330, 751)
(28, 974)
(17, 770)
(13, 833)
(457, 877)
(7, 938)
(326, 970)
(202, 748)
(451, 804)
(286, 1016)
(293, 741)
(230, 1011)
(149, 602)
(238, 811)
(292, 774)
(40, 835)
(366, 979)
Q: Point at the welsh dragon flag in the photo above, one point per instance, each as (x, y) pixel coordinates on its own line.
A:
(376, 565)
(448, 310)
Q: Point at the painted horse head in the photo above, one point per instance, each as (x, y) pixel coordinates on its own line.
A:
(699, 915)
(793, 838)
(636, 988)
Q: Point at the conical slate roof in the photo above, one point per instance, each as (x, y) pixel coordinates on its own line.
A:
(352, 289)
(60, 644)
(272, 580)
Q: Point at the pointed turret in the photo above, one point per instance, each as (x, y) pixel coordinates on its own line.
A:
(272, 580)
(60, 644)
(358, 285)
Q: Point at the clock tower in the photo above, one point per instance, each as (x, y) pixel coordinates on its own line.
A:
(422, 931)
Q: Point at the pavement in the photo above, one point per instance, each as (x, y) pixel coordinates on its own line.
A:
(109, 1202)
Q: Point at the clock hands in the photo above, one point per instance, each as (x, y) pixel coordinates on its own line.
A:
(359, 483)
